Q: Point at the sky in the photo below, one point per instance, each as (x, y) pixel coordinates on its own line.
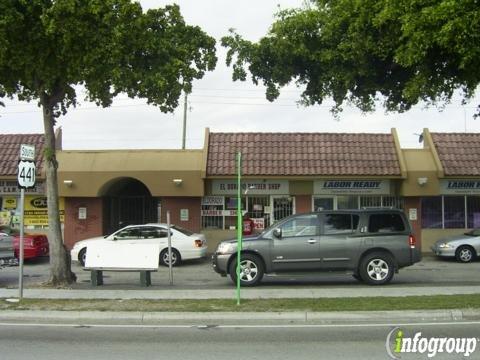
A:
(226, 106)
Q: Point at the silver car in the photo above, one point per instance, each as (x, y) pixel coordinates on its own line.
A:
(464, 248)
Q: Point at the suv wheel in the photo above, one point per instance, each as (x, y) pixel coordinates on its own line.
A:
(251, 270)
(377, 268)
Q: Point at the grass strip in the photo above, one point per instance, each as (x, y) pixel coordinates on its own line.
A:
(257, 305)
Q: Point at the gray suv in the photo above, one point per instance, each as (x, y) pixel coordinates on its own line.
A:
(370, 244)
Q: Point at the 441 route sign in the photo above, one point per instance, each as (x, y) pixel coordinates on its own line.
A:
(26, 174)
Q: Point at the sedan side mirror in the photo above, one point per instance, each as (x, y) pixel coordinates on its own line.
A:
(277, 233)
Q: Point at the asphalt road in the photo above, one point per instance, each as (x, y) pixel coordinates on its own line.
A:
(198, 274)
(30, 341)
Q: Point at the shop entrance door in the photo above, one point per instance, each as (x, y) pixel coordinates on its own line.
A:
(127, 201)
(283, 206)
(131, 210)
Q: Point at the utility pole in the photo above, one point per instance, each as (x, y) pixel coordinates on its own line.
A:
(184, 122)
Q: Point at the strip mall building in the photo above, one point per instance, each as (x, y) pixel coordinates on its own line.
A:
(437, 186)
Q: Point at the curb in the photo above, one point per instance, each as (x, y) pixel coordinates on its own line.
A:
(299, 317)
(247, 293)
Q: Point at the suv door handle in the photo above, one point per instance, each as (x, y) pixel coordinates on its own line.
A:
(312, 241)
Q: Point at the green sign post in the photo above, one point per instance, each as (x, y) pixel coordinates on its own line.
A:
(239, 222)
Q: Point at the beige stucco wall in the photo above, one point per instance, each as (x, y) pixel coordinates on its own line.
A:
(420, 164)
(92, 171)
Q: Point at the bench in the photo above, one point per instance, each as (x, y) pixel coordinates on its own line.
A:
(96, 275)
(121, 256)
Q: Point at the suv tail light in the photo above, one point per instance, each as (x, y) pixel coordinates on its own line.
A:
(412, 241)
(198, 243)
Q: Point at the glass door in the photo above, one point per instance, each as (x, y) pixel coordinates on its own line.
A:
(283, 206)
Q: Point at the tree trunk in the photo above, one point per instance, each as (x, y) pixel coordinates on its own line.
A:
(60, 262)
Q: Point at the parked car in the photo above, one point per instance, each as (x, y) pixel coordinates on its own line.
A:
(6, 244)
(370, 244)
(186, 245)
(34, 246)
(464, 248)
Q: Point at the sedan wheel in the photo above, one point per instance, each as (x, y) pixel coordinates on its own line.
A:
(82, 256)
(464, 254)
(175, 257)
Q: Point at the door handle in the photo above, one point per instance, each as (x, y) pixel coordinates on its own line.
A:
(312, 241)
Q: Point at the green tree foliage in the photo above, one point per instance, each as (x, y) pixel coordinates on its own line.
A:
(49, 47)
(400, 52)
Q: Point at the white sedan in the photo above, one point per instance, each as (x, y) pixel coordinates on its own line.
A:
(186, 245)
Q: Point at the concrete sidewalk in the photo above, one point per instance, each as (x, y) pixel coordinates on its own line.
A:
(246, 293)
(133, 318)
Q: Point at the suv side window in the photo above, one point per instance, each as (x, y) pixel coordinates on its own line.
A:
(385, 223)
(300, 226)
(340, 224)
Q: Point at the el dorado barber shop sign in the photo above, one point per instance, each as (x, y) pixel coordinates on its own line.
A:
(252, 187)
(460, 187)
(344, 187)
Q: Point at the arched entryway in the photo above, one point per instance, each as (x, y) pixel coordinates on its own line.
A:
(127, 201)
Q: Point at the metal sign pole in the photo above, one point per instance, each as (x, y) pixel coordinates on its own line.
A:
(169, 249)
(25, 179)
(20, 251)
(239, 223)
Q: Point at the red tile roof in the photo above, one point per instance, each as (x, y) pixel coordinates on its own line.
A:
(10, 151)
(459, 153)
(303, 154)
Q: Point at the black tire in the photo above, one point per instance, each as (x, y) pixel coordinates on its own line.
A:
(377, 268)
(252, 270)
(82, 256)
(465, 254)
(357, 277)
(176, 258)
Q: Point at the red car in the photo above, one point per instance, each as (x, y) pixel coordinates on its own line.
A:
(34, 245)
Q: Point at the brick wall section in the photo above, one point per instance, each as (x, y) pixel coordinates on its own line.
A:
(303, 203)
(415, 203)
(175, 204)
(75, 229)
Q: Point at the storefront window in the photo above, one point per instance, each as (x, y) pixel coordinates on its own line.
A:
(454, 212)
(322, 203)
(432, 212)
(347, 202)
(259, 211)
(370, 201)
(212, 212)
(393, 202)
(473, 212)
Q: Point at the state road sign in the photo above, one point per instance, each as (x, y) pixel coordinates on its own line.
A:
(26, 174)
(27, 152)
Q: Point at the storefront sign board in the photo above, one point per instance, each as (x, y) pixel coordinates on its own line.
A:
(36, 213)
(9, 187)
(253, 187)
(351, 187)
(213, 200)
(460, 187)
